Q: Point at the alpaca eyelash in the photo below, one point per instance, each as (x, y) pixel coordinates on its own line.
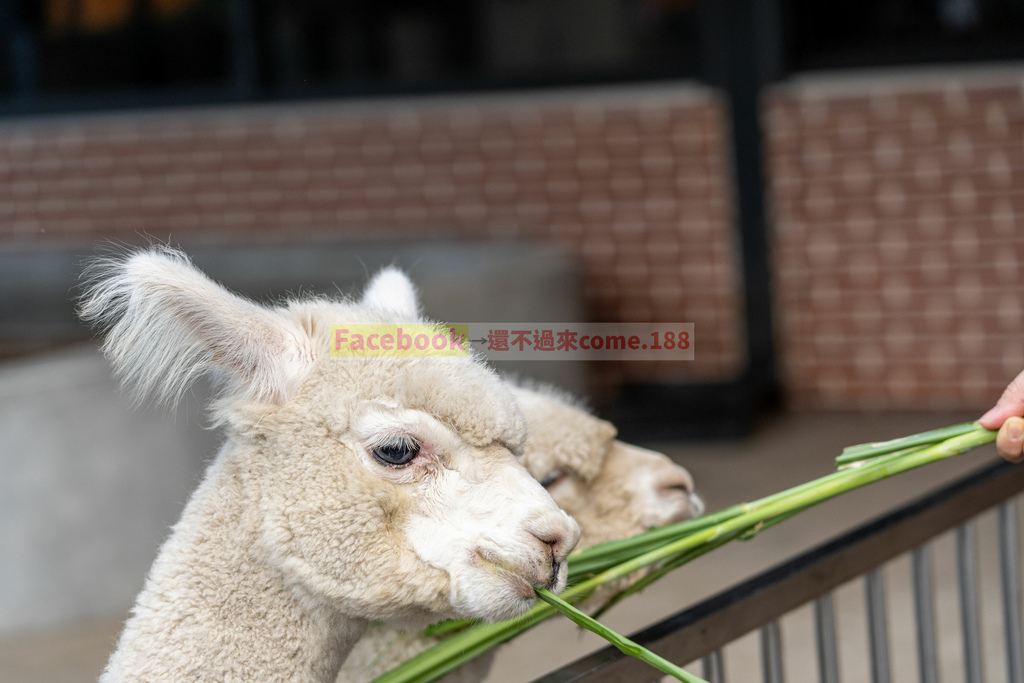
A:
(403, 441)
(553, 478)
(396, 451)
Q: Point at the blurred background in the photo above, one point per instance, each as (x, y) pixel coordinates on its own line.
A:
(829, 191)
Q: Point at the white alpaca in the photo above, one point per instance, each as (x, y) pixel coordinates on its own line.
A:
(611, 488)
(348, 489)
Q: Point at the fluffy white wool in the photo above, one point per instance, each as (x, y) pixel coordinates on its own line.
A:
(298, 535)
(612, 489)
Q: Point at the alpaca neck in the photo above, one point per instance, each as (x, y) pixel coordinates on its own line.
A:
(213, 608)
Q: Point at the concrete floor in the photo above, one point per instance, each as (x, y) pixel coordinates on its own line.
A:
(785, 451)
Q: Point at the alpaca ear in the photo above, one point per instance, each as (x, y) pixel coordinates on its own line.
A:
(392, 290)
(561, 431)
(167, 324)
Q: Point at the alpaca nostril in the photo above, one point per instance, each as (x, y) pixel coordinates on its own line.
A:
(553, 548)
(559, 533)
(554, 543)
(674, 491)
(678, 481)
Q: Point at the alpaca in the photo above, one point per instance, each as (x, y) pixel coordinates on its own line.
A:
(611, 488)
(348, 490)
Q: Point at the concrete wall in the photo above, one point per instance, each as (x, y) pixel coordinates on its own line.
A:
(88, 488)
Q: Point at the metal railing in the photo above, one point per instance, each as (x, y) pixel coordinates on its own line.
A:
(702, 631)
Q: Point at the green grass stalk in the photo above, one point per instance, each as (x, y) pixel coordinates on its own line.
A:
(869, 450)
(692, 540)
(627, 646)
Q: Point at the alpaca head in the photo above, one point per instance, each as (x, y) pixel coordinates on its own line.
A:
(613, 489)
(388, 487)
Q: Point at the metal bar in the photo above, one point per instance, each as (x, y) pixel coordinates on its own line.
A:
(711, 624)
(19, 56)
(878, 636)
(712, 667)
(734, 50)
(8, 77)
(244, 70)
(924, 614)
(970, 615)
(771, 653)
(1009, 570)
(825, 635)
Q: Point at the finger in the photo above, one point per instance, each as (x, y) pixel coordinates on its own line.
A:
(1010, 440)
(1011, 404)
(997, 416)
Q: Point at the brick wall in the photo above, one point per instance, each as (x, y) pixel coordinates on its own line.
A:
(634, 180)
(898, 206)
(896, 200)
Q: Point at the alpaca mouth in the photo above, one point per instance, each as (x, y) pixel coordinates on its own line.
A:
(524, 585)
(553, 581)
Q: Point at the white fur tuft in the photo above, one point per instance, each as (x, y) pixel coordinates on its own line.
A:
(391, 290)
(167, 324)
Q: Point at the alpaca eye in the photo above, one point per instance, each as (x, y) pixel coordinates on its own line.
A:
(397, 452)
(552, 479)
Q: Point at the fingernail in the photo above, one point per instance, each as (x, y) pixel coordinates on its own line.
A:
(1015, 430)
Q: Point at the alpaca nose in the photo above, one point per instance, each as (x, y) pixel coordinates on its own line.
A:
(549, 578)
(673, 480)
(559, 536)
(548, 570)
(674, 493)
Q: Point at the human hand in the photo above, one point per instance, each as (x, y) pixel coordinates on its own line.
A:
(1006, 417)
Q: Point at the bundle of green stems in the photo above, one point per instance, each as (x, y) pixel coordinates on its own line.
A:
(672, 546)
